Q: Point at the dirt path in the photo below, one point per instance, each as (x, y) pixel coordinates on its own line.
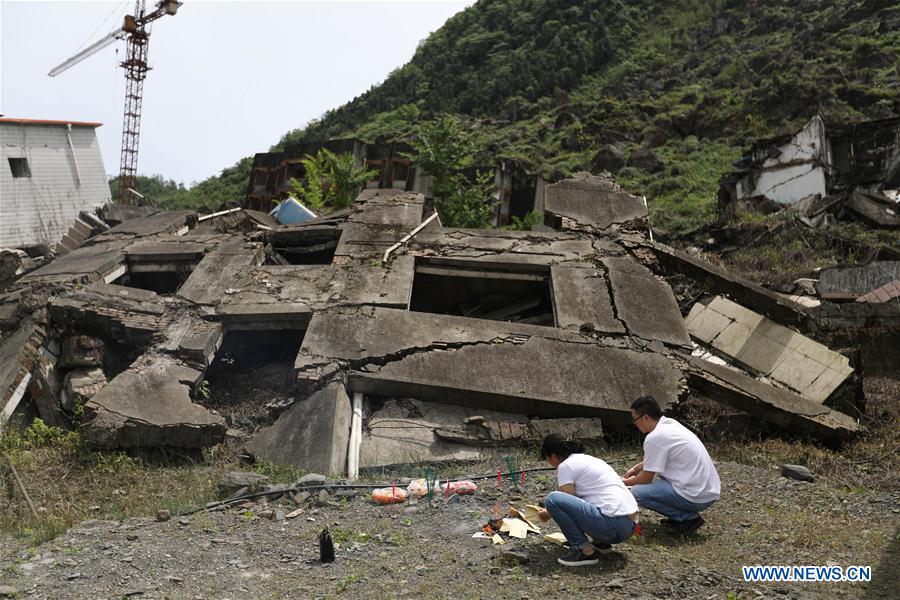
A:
(406, 551)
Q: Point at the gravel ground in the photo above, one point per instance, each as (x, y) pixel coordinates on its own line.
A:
(427, 551)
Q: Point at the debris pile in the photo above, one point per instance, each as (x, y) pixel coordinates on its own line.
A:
(821, 173)
(451, 343)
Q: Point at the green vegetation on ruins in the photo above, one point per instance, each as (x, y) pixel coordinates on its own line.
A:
(691, 82)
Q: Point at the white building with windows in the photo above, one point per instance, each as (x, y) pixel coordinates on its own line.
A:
(49, 172)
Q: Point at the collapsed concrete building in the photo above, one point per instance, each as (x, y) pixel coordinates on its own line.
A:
(401, 340)
(516, 192)
(821, 170)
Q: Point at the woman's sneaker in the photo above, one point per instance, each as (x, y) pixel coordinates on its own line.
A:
(578, 559)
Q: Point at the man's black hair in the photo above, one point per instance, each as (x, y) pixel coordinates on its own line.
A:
(647, 405)
(562, 447)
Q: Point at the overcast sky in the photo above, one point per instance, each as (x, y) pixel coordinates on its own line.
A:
(228, 78)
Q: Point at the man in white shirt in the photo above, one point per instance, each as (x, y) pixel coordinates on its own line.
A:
(687, 481)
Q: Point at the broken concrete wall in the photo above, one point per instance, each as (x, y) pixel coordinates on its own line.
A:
(849, 283)
(19, 353)
(410, 431)
(790, 171)
(768, 349)
(312, 435)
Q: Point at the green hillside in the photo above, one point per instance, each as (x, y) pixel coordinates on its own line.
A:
(663, 93)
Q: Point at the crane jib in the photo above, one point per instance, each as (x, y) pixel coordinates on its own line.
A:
(136, 69)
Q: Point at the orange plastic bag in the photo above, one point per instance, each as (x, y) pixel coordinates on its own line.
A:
(389, 495)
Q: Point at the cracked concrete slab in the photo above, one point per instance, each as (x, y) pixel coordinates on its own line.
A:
(251, 298)
(312, 435)
(96, 262)
(644, 303)
(582, 298)
(148, 406)
(496, 365)
(167, 221)
(593, 201)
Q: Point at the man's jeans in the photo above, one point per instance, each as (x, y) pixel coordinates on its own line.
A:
(659, 496)
(577, 518)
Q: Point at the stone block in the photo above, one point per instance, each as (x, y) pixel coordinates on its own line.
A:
(80, 386)
(312, 435)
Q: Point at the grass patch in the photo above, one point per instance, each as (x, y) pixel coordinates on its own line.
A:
(70, 482)
(794, 251)
(870, 462)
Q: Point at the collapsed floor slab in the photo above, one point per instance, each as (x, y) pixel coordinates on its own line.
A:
(148, 405)
(484, 364)
(785, 356)
(777, 406)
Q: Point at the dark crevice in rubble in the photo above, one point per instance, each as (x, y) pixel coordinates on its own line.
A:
(251, 380)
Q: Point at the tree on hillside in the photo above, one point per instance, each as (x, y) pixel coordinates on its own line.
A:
(445, 149)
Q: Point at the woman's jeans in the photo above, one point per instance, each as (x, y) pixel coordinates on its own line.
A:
(577, 519)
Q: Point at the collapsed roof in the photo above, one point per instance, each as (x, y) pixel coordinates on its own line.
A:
(509, 326)
(821, 168)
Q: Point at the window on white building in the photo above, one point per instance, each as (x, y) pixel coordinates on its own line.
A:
(19, 167)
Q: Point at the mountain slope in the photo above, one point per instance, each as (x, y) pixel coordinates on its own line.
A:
(672, 89)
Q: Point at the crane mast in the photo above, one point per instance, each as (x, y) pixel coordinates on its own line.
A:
(136, 67)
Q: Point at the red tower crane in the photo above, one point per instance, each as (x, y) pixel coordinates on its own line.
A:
(135, 65)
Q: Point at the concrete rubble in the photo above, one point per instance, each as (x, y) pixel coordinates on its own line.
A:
(824, 171)
(460, 342)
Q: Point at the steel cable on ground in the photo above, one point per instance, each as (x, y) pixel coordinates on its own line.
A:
(345, 486)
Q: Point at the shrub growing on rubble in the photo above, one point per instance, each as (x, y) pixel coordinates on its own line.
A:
(445, 149)
(331, 181)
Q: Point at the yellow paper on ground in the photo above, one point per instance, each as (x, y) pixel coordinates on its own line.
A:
(556, 538)
(497, 539)
(518, 513)
(516, 528)
(530, 512)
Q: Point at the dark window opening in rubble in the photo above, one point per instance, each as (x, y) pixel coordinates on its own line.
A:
(295, 170)
(260, 177)
(399, 170)
(19, 167)
(375, 168)
(521, 200)
(251, 379)
(315, 249)
(523, 296)
(162, 279)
